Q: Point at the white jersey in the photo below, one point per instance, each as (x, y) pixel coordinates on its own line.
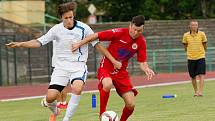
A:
(63, 37)
(54, 58)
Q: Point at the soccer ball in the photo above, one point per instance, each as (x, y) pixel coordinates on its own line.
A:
(109, 116)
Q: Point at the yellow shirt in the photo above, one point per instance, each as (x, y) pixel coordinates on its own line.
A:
(195, 48)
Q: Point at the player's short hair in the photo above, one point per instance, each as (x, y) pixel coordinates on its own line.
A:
(138, 20)
(66, 7)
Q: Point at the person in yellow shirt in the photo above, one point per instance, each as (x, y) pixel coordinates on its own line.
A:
(195, 44)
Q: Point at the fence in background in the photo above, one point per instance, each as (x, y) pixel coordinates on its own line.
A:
(165, 52)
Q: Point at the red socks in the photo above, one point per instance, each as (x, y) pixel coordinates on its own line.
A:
(104, 96)
(103, 100)
(126, 113)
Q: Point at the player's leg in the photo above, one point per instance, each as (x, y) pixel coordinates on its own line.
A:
(54, 89)
(78, 80)
(192, 73)
(201, 84)
(64, 95)
(201, 70)
(49, 100)
(52, 106)
(129, 100)
(125, 89)
(61, 99)
(194, 83)
(77, 88)
(106, 84)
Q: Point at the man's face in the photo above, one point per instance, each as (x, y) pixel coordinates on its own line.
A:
(194, 26)
(135, 31)
(68, 19)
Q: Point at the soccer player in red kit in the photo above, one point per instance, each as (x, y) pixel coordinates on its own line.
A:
(125, 42)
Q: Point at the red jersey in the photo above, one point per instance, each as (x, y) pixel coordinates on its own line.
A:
(122, 47)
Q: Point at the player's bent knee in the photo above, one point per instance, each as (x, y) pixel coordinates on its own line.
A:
(51, 98)
(77, 91)
(77, 87)
(53, 92)
(107, 85)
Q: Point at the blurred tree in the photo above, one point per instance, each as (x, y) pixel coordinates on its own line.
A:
(119, 10)
(124, 10)
(52, 7)
(211, 8)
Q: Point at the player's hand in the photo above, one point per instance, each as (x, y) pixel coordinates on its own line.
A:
(117, 65)
(149, 73)
(14, 44)
(75, 46)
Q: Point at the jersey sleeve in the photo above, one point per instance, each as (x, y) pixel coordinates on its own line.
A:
(89, 31)
(204, 38)
(141, 52)
(184, 40)
(48, 37)
(109, 35)
(54, 56)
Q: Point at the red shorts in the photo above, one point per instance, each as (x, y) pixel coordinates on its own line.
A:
(121, 81)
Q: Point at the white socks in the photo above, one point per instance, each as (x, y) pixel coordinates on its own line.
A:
(52, 106)
(72, 106)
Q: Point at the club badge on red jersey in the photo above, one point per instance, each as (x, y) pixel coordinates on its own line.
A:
(134, 46)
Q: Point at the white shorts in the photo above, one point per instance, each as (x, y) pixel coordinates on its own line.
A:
(64, 77)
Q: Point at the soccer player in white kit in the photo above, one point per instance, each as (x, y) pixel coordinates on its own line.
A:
(69, 65)
(61, 99)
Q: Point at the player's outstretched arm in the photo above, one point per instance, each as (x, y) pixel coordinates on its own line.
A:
(107, 54)
(27, 44)
(149, 72)
(89, 38)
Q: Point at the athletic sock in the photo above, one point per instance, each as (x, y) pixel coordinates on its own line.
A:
(126, 113)
(52, 106)
(103, 100)
(72, 106)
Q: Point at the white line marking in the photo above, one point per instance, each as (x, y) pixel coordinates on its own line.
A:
(94, 91)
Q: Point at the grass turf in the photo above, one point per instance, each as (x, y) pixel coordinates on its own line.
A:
(150, 106)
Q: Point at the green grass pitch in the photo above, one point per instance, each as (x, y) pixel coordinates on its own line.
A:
(149, 106)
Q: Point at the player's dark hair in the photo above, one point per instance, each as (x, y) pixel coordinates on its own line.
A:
(66, 7)
(138, 20)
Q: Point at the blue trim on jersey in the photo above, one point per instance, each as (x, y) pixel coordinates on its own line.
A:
(79, 58)
(84, 76)
(82, 28)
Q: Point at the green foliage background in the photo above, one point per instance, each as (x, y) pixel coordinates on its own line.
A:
(123, 10)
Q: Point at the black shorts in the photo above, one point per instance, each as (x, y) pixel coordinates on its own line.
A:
(196, 67)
